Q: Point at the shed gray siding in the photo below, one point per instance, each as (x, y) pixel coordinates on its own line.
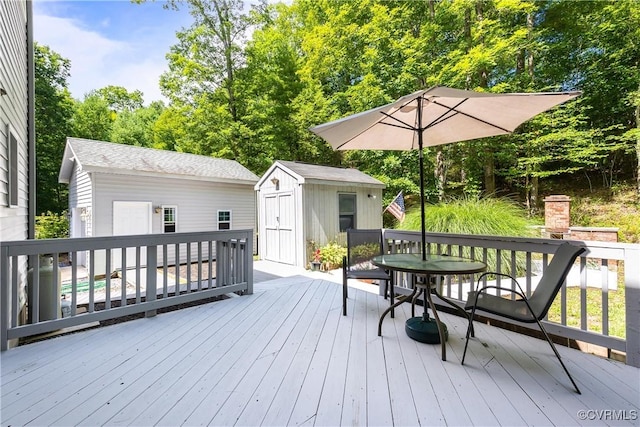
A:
(315, 191)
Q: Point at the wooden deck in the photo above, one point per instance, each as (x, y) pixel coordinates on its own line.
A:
(287, 356)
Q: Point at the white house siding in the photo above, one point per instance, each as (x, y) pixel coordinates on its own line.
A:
(14, 220)
(321, 211)
(197, 203)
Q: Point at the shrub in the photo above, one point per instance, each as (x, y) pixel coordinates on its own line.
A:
(485, 216)
(52, 226)
(332, 255)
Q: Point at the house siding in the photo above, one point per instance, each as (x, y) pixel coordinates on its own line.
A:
(197, 204)
(14, 220)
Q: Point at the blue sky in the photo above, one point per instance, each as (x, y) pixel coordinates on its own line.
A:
(110, 42)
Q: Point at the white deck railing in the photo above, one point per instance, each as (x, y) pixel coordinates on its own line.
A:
(605, 266)
(143, 285)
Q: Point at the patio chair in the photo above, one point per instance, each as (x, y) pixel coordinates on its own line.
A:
(362, 245)
(523, 309)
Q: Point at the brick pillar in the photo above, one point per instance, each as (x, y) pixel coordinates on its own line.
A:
(556, 213)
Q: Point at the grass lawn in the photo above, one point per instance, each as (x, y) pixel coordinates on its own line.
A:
(616, 307)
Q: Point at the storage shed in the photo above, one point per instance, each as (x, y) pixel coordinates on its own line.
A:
(117, 189)
(302, 206)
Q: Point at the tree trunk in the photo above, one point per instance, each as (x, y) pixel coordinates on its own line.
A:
(440, 174)
(489, 172)
(638, 146)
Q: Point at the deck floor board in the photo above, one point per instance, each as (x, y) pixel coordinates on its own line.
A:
(286, 356)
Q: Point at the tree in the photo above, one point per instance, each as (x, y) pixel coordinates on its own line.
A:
(53, 113)
(93, 118)
(119, 99)
(137, 127)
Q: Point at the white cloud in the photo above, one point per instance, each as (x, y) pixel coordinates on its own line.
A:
(98, 61)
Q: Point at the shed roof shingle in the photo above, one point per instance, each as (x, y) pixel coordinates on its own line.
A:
(329, 173)
(120, 158)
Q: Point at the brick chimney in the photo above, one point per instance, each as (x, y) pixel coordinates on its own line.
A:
(556, 213)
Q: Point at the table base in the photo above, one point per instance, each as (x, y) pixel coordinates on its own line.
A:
(425, 331)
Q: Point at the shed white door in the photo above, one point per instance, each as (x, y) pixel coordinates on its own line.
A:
(131, 218)
(280, 220)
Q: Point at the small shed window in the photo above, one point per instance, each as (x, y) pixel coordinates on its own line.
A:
(347, 211)
(224, 220)
(12, 197)
(169, 219)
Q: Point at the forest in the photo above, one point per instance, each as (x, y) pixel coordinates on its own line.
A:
(248, 83)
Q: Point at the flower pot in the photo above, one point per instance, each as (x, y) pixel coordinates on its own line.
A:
(315, 265)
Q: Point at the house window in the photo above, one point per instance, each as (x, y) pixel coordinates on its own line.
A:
(224, 220)
(347, 211)
(169, 219)
(12, 196)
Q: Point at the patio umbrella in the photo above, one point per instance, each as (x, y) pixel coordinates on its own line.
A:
(436, 116)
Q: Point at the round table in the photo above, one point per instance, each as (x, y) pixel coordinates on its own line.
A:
(433, 265)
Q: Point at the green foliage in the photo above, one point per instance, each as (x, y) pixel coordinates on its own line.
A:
(487, 216)
(364, 252)
(53, 114)
(331, 255)
(52, 226)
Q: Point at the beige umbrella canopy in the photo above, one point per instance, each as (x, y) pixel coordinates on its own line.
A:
(436, 116)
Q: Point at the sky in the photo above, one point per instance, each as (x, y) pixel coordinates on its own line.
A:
(110, 42)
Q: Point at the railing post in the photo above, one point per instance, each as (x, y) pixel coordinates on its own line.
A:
(5, 298)
(248, 265)
(152, 278)
(632, 304)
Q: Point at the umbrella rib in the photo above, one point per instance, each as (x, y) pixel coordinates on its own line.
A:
(404, 125)
(454, 109)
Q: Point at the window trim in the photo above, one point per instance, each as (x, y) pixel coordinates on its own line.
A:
(175, 218)
(230, 221)
(13, 173)
(354, 213)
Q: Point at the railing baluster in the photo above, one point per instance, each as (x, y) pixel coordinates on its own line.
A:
(15, 302)
(199, 266)
(107, 286)
(188, 267)
(514, 273)
(177, 258)
(123, 277)
(165, 279)
(528, 273)
(605, 296)
(583, 293)
(210, 261)
(138, 275)
(74, 284)
(92, 277)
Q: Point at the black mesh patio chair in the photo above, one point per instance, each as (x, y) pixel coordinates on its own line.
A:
(523, 309)
(362, 245)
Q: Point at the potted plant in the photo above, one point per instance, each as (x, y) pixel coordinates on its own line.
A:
(317, 260)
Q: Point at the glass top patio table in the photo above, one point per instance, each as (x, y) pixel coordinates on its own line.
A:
(439, 265)
(433, 264)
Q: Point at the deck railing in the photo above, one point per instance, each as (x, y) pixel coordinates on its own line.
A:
(127, 287)
(604, 268)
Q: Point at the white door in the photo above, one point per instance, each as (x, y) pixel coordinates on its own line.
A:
(280, 220)
(130, 218)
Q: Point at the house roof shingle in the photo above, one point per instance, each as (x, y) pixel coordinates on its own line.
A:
(120, 158)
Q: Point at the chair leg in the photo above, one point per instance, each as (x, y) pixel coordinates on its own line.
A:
(553, 347)
(469, 332)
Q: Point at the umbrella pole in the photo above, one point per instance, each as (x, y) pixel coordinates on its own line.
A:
(419, 130)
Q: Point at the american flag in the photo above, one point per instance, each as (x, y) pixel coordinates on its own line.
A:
(396, 208)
